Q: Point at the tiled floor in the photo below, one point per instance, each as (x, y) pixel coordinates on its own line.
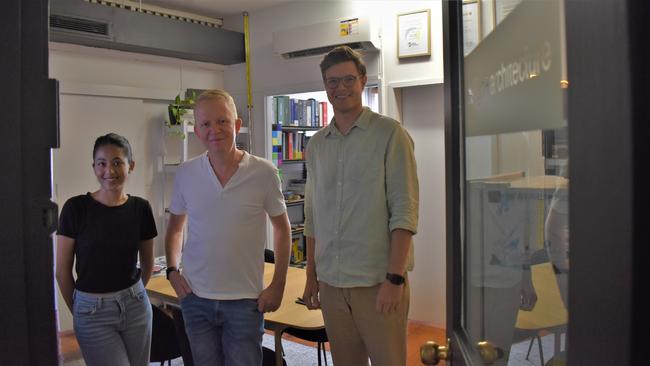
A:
(418, 333)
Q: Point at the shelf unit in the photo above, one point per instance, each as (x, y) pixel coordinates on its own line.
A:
(176, 150)
(295, 203)
(303, 115)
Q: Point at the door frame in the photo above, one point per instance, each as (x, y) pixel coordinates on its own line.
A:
(609, 146)
(28, 216)
(453, 61)
(608, 143)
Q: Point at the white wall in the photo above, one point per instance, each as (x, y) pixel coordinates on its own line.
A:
(429, 276)
(272, 75)
(399, 73)
(111, 91)
(521, 151)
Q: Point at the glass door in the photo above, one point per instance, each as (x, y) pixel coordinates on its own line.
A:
(515, 180)
(509, 195)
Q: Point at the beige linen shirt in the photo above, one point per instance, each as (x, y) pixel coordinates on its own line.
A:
(360, 187)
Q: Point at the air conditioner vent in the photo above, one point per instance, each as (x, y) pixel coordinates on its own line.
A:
(124, 25)
(79, 25)
(320, 50)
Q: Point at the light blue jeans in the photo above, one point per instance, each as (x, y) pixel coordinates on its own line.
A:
(223, 332)
(115, 328)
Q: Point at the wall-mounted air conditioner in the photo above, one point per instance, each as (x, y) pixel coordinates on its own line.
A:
(315, 39)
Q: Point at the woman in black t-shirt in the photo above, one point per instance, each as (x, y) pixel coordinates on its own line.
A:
(104, 232)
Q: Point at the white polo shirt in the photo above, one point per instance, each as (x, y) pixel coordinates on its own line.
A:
(223, 257)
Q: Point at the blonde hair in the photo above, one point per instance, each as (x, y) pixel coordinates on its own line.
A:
(218, 93)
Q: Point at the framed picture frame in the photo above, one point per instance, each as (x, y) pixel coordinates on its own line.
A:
(501, 9)
(472, 28)
(414, 34)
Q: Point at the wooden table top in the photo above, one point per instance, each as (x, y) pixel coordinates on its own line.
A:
(289, 314)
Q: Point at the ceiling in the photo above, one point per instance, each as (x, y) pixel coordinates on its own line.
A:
(215, 8)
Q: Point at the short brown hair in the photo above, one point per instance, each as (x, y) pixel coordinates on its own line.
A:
(342, 54)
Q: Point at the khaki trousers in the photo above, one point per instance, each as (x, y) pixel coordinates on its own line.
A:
(356, 331)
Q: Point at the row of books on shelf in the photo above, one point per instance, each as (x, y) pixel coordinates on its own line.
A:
(298, 112)
(287, 145)
(293, 145)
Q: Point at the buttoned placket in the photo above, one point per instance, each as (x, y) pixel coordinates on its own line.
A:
(340, 168)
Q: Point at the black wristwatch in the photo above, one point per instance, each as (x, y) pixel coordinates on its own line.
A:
(170, 270)
(395, 279)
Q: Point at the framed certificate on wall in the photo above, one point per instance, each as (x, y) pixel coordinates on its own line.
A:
(471, 25)
(414, 34)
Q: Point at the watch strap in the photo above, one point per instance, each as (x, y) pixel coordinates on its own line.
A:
(170, 270)
(395, 278)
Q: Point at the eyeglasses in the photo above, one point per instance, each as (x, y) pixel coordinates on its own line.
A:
(348, 81)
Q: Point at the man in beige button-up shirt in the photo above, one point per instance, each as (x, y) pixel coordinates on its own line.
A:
(361, 209)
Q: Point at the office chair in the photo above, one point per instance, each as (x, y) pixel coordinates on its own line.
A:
(549, 313)
(164, 344)
(319, 336)
(268, 357)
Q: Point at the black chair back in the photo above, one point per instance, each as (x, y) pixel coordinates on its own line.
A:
(318, 336)
(268, 357)
(269, 256)
(164, 344)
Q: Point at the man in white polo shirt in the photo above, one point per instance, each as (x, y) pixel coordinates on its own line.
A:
(225, 195)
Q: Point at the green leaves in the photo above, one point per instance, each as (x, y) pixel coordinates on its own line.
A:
(180, 106)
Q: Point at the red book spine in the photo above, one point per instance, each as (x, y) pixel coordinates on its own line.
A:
(290, 147)
(324, 120)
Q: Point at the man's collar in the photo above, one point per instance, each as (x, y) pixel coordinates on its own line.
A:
(363, 122)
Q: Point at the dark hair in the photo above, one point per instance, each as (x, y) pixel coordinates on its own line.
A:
(116, 140)
(342, 54)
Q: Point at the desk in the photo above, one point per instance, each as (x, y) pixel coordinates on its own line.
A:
(288, 315)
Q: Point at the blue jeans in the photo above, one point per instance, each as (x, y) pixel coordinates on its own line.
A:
(113, 329)
(223, 332)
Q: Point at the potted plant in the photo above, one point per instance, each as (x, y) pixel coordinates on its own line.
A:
(180, 107)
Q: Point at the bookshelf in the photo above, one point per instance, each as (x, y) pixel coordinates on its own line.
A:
(290, 121)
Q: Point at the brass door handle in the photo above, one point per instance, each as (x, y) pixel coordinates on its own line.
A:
(431, 353)
(489, 352)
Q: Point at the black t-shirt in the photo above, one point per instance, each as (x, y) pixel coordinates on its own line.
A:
(106, 240)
